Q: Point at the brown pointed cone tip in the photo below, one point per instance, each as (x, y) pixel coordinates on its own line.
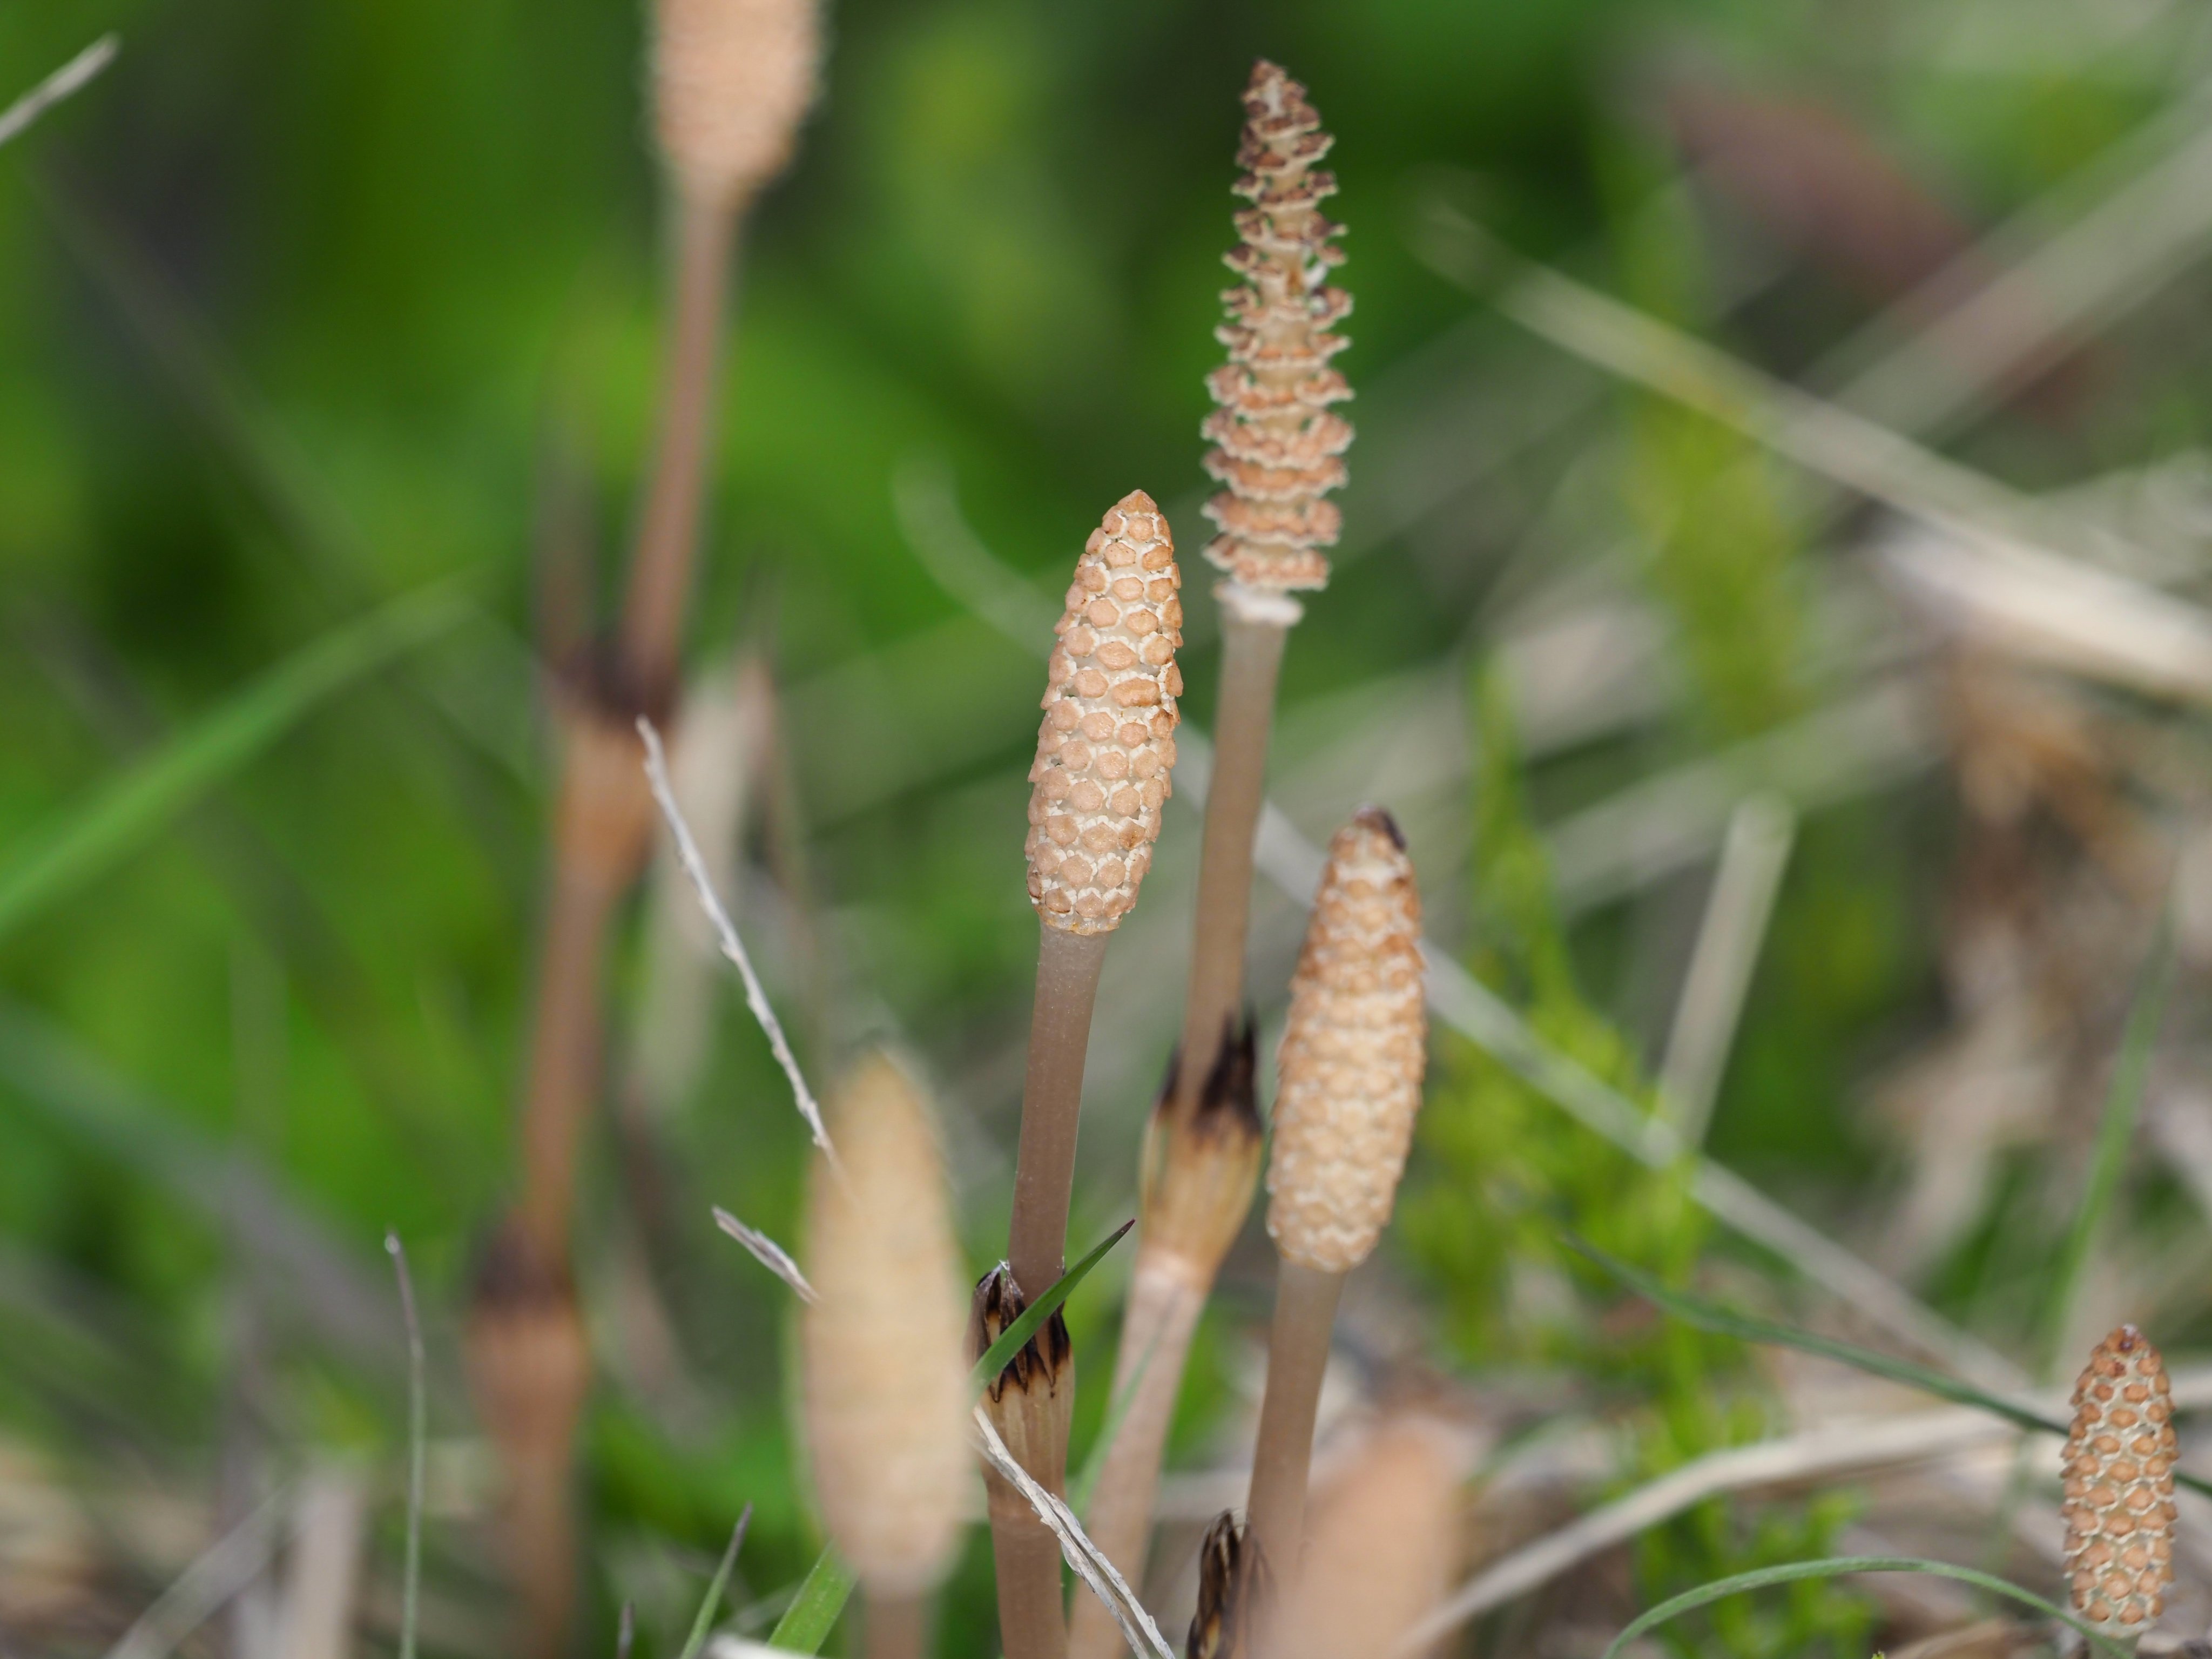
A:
(886, 1400)
(1031, 1401)
(1232, 1580)
(1278, 445)
(1107, 746)
(1201, 1164)
(2117, 1476)
(1353, 1054)
(732, 80)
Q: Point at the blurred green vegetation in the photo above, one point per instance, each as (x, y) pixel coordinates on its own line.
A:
(299, 301)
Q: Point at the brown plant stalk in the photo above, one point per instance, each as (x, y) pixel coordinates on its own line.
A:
(732, 79)
(1278, 451)
(1353, 1055)
(1105, 751)
(1198, 1172)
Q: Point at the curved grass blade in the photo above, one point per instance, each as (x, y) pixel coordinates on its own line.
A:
(813, 1613)
(418, 1440)
(997, 1356)
(708, 1607)
(1835, 1567)
(131, 807)
(1726, 1321)
(1079, 1488)
(2115, 1132)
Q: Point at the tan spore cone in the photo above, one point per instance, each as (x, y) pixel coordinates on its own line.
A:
(886, 1400)
(1353, 1054)
(732, 80)
(1107, 744)
(2118, 1484)
(1278, 446)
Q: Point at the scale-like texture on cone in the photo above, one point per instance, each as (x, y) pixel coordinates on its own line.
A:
(1353, 1053)
(1278, 448)
(1107, 746)
(2118, 1476)
(884, 1346)
(730, 79)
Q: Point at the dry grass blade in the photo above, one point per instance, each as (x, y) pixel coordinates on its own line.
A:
(1823, 1451)
(1796, 1571)
(1092, 1566)
(228, 1565)
(766, 1251)
(1752, 859)
(65, 82)
(694, 866)
(1990, 538)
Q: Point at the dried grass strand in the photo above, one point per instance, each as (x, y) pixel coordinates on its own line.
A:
(694, 866)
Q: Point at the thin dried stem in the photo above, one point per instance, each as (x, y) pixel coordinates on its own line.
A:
(1068, 966)
(1297, 1354)
(65, 82)
(668, 530)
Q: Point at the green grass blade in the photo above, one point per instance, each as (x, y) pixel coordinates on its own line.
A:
(418, 1440)
(1836, 1567)
(132, 805)
(1087, 1479)
(1726, 1321)
(712, 1605)
(2115, 1132)
(1000, 1353)
(813, 1613)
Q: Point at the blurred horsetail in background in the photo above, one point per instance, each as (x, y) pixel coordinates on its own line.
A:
(1771, 609)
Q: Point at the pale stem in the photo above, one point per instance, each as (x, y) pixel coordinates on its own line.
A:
(1069, 965)
(1251, 659)
(1297, 1354)
(897, 1626)
(1027, 1557)
(1167, 1293)
(668, 529)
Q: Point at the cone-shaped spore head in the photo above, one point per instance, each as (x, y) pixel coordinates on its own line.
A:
(2118, 1477)
(1107, 746)
(1278, 447)
(732, 80)
(1353, 1055)
(886, 1390)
